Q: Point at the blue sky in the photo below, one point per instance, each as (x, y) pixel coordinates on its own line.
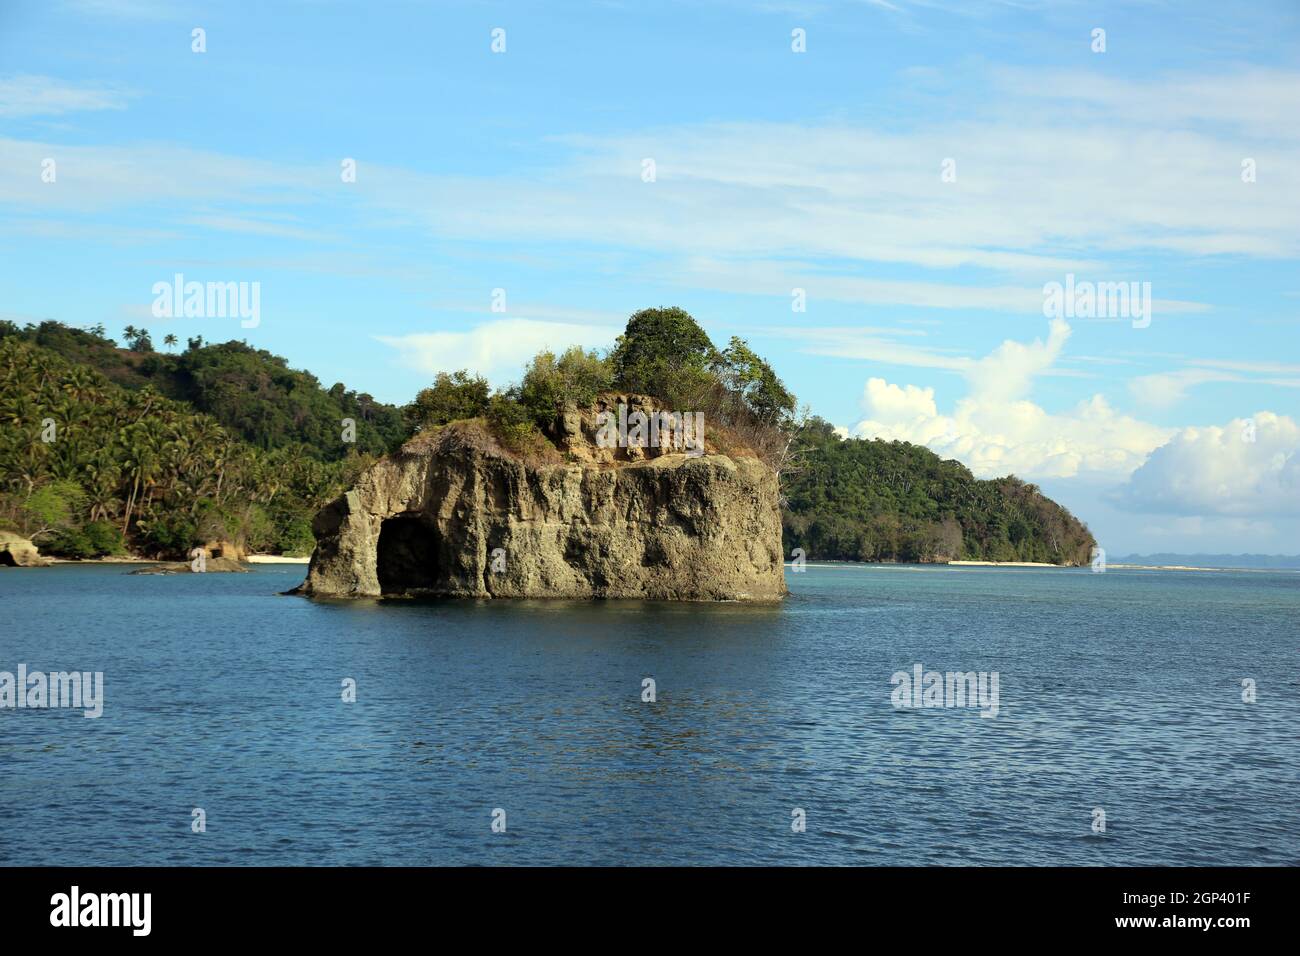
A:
(774, 170)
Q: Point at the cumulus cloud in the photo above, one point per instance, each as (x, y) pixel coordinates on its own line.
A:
(994, 430)
(890, 403)
(497, 350)
(993, 437)
(1247, 467)
(1007, 371)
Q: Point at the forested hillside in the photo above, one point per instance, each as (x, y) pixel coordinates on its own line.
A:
(105, 448)
(859, 500)
(253, 393)
(89, 467)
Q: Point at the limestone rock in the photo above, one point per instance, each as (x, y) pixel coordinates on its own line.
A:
(17, 552)
(453, 514)
(221, 548)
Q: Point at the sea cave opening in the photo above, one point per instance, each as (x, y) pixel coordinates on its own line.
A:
(407, 558)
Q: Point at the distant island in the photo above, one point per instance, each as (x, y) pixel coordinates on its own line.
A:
(110, 450)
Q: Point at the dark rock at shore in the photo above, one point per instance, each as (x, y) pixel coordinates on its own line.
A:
(212, 565)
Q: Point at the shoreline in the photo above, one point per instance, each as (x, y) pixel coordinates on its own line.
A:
(1009, 564)
(132, 559)
(284, 559)
(1186, 567)
(918, 565)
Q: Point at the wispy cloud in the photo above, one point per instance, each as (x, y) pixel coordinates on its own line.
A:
(497, 350)
(151, 175)
(24, 96)
(1073, 181)
(1165, 389)
(128, 9)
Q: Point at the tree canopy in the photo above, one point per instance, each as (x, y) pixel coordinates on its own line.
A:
(251, 392)
(662, 352)
(87, 465)
(161, 451)
(853, 499)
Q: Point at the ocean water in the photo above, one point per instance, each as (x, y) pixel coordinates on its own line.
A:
(1120, 691)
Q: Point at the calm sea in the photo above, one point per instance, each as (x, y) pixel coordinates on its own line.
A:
(1119, 691)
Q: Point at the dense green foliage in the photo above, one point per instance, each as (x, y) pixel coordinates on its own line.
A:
(574, 380)
(753, 386)
(252, 393)
(859, 500)
(450, 398)
(665, 353)
(160, 452)
(87, 465)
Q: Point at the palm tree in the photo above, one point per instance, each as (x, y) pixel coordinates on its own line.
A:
(80, 384)
(142, 442)
(169, 340)
(101, 478)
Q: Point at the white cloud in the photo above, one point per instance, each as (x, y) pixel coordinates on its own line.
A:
(1032, 162)
(1177, 101)
(995, 431)
(889, 403)
(1247, 467)
(996, 437)
(1165, 389)
(1008, 370)
(497, 350)
(732, 198)
(43, 96)
(873, 344)
(92, 178)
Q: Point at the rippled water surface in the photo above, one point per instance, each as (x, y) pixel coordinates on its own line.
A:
(1119, 690)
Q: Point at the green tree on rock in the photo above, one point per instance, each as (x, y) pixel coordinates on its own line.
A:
(450, 398)
(665, 353)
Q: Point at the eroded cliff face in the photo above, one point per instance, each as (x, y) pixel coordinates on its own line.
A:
(18, 552)
(453, 514)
